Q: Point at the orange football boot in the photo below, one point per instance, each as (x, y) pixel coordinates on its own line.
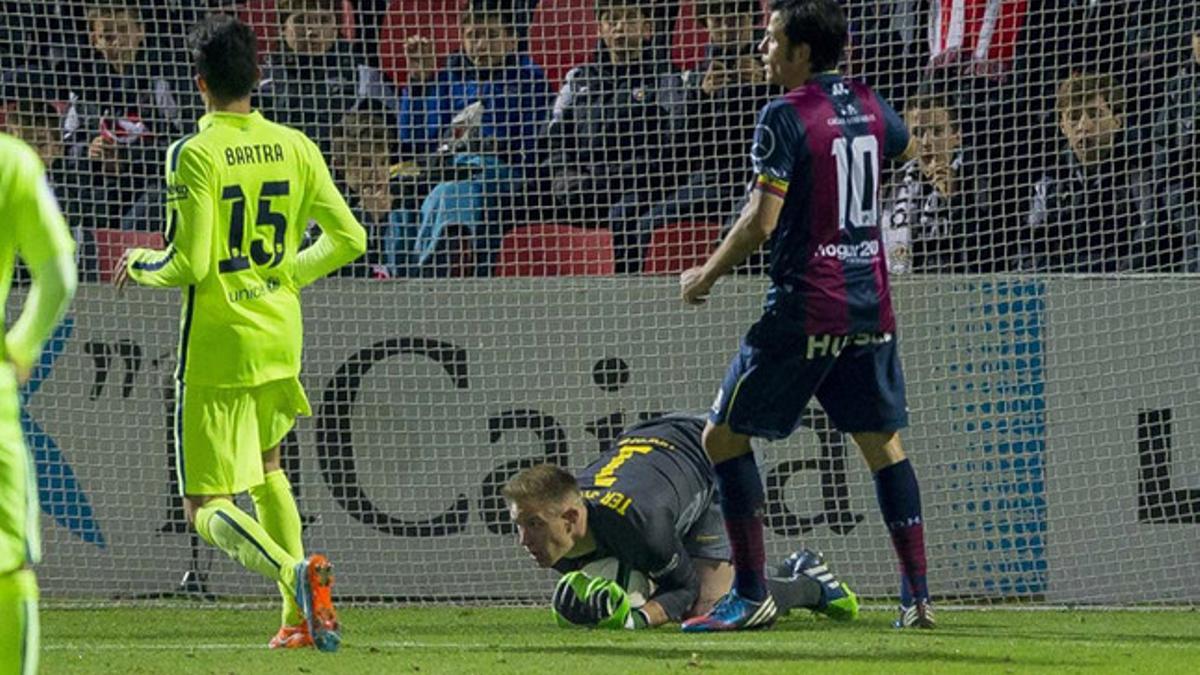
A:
(291, 637)
(314, 586)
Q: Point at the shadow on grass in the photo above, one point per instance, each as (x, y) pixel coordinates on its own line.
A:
(1043, 635)
(792, 653)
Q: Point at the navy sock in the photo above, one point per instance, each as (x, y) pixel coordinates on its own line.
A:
(900, 503)
(742, 507)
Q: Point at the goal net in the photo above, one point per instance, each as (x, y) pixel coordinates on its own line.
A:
(533, 176)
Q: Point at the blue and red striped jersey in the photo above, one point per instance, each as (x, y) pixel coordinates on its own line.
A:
(819, 148)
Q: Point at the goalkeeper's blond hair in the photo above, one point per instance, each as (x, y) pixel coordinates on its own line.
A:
(541, 484)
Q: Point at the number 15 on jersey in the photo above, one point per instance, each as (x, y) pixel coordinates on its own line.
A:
(258, 251)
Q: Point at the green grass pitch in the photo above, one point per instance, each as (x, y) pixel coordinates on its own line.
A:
(489, 640)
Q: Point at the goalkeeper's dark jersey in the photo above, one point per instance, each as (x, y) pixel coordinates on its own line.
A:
(642, 498)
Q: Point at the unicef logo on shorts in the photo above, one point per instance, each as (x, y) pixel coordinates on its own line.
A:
(764, 144)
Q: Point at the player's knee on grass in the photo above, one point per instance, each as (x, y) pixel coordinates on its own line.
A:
(880, 449)
(722, 443)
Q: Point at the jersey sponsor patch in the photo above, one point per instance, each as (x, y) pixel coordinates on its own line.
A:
(271, 285)
(177, 192)
(764, 143)
(822, 346)
(862, 252)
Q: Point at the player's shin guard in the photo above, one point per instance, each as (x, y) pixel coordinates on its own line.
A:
(18, 623)
(900, 502)
(742, 507)
(277, 513)
(232, 530)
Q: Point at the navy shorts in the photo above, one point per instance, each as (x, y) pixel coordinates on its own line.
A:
(856, 378)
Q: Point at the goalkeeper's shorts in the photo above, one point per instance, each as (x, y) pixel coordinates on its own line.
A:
(221, 433)
(707, 538)
(20, 539)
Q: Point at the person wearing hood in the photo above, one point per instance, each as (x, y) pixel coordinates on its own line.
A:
(614, 145)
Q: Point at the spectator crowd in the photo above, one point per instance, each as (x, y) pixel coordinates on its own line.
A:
(1057, 136)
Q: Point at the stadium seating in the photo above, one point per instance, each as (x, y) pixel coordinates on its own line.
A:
(111, 243)
(678, 246)
(434, 19)
(689, 40)
(562, 35)
(550, 250)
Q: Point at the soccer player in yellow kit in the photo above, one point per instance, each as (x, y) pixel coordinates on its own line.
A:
(240, 193)
(33, 229)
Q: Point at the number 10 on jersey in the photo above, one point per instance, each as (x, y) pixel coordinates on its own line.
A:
(858, 178)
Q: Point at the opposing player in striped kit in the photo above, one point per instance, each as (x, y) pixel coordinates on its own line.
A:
(827, 329)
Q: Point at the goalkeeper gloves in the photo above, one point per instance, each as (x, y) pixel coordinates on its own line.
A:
(581, 600)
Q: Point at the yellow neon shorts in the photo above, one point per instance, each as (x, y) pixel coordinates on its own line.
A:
(221, 433)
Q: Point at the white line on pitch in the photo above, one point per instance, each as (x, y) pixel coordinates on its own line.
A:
(471, 646)
(229, 646)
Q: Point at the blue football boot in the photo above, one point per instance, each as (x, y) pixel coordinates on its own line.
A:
(733, 612)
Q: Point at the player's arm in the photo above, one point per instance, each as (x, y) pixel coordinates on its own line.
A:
(601, 603)
(45, 244)
(676, 588)
(654, 548)
(777, 132)
(753, 227)
(897, 142)
(342, 238)
(191, 213)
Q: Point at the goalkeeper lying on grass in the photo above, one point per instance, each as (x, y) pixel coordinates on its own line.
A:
(650, 503)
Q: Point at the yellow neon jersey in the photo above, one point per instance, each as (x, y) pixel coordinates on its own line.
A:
(240, 193)
(34, 229)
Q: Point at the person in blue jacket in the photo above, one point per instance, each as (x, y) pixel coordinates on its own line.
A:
(470, 124)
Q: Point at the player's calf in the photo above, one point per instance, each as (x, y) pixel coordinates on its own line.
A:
(19, 641)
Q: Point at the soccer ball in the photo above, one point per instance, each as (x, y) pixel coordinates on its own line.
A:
(637, 586)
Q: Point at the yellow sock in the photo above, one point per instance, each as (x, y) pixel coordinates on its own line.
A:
(18, 623)
(233, 530)
(277, 513)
